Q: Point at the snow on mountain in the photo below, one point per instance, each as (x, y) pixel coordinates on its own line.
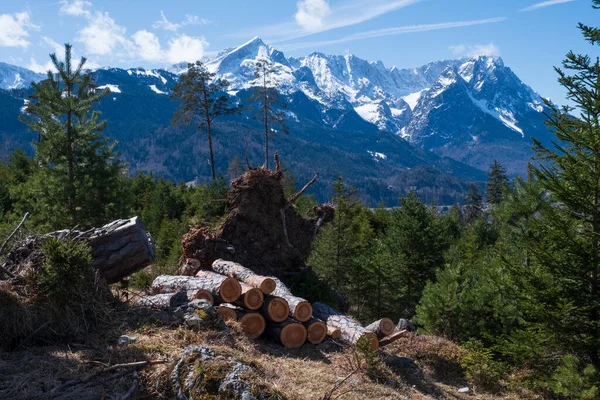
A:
(13, 77)
(112, 88)
(439, 106)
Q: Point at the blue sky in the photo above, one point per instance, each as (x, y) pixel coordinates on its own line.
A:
(530, 35)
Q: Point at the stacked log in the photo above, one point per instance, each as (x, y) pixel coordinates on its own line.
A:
(275, 309)
(316, 330)
(229, 268)
(291, 334)
(286, 318)
(300, 309)
(382, 327)
(227, 289)
(253, 323)
(351, 330)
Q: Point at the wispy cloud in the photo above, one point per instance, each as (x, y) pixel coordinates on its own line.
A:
(14, 29)
(462, 50)
(400, 30)
(543, 4)
(315, 16)
(164, 23)
(75, 7)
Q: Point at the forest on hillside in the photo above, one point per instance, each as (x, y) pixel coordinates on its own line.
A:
(511, 274)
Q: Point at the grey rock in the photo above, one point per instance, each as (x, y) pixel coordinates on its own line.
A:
(405, 324)
(126, 340)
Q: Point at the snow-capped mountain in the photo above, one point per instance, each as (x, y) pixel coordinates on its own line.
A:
(13, 77)
(472, 110)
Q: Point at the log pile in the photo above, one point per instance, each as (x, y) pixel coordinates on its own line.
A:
(263, 305)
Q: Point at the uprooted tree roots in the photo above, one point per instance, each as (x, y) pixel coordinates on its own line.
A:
(263, 230)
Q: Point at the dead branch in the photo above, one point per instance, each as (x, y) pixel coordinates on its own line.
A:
(248, 165)
(14, 232)
(277, 163)
(299, 193)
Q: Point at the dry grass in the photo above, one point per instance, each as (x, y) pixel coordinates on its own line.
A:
(309, 372)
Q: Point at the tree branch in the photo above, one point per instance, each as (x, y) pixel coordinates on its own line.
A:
(299, 193)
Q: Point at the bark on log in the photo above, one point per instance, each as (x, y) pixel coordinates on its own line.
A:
(243, 274)
(275, 309)
(351, 329)
(253, 323)
(333, 333)
(382, 327)
(227, 289)
(393, 337)
(164, 301)
(300, 309)
(120, 248)
(289, 333)
(316, 330)
(252, 298)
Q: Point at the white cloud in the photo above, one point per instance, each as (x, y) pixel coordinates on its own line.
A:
(543, 4)
(167, 25)
(14, 29)
(102, 35)
(56, 47)
(147, 45)
(75, 7)
(462, 50)
(394, 31)
(40, 68)
(311, 13)
(336, 17)
(185, 48)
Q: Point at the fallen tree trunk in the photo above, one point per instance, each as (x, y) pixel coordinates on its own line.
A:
(170, 300)
(300, 309)
(382, 327)
(316, 330)
(253, 323)
(333, 333)
(252, 298)
(352, 331)
(243, 274)
(118, 249)
(227, 289)
(289, 333)
(275, 309)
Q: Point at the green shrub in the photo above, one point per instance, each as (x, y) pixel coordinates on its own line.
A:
(575, 380)
(480, 367)
(66, 269)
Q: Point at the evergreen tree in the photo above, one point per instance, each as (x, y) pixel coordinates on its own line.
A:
(473, 204)
(496, 184)
(569, 249)
(78, 180)
(269, 109)
(342, 248)
(235, 168)
(202, 99)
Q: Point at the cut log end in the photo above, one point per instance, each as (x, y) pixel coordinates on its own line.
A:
(333, 332)
(316, 332)
(230, 290)
(386, 326)
(373, 341)
(267, 286)
(204, 294)
(227, 313)
(252, 298)
(303, 311)
(253, 324)
(293, 335)
(278, 309)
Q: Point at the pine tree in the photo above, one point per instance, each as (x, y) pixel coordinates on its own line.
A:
(496, 184)
(569, 249)
(78, 180)
(202, 99)
(269, 109)
(235, 168)
(473, 204)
